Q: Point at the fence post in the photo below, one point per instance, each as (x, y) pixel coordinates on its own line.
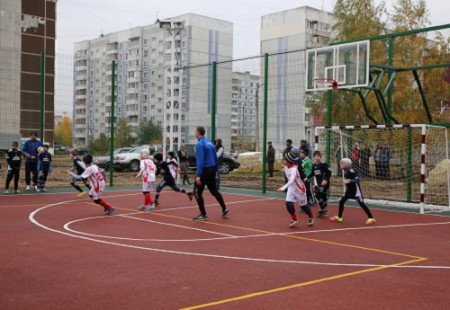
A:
(213, 102)
(266, 87)
(42, 97)
(111, 121)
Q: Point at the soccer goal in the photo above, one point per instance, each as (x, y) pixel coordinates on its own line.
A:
(400, 165)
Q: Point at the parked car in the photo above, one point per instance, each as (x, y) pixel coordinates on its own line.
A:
(131, 159)
(103, 161)
(229, 163)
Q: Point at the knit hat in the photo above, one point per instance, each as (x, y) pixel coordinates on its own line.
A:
(290, 157)
(346, 162)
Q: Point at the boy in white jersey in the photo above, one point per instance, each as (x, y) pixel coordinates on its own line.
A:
(147, 172)
(97, 181)
(296, 191)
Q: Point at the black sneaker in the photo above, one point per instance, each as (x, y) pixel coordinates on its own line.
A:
(322, 213)
(200, 217)
(190, 195)
(110, 211)
(226, 213)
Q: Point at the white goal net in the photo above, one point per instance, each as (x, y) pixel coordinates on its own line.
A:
(400, 165)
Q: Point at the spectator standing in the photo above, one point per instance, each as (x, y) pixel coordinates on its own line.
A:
(365, 154)
(355, 156)
(385, 157)
(184, 163)
(376, 158)
(305, 147)
(270, 158)
(14, 160)
(219, 154)
(30, 149)
(206, 173)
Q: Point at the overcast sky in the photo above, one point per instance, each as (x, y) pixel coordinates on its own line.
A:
(79, 20)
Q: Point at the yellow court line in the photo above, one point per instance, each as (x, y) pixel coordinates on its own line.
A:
(298, 237)
(285, 288)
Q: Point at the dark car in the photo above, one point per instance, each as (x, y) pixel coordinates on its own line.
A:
(229, 163)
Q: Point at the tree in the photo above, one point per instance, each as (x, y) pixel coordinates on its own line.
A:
(408, 15)
(149, 133)
(63, 132)
(358, 19)
(124, 134)
(100, 145)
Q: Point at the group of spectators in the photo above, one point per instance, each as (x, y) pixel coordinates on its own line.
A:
(360, 155)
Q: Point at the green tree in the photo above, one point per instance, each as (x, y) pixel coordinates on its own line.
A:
(63, 132)
(100, 145)
(149, 133)
(124, 134)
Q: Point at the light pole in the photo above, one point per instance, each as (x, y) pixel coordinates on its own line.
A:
(174, 29)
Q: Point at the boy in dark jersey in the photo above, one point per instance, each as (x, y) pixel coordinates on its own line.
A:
(162, 167)
(352, 191)
(14, 160)
(322, 173)
(78, 168)
(44, 167)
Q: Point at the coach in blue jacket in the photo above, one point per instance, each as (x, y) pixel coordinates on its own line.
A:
(30, 150)
(207, 166)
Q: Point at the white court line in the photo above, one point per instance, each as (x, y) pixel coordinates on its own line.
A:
(227, 236)
(248, 259)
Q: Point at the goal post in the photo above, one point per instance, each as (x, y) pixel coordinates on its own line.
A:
(401, 165)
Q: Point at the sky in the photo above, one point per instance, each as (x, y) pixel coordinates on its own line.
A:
(79, 20)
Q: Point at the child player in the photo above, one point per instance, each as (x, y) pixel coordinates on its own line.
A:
(352, 191)
(173, 164)
(162, 167)
(78, 167)
(97, 182)
(44, 167)
(296, 191)
(307, 167)
(14, 160)
(147, 172)
(322, 174)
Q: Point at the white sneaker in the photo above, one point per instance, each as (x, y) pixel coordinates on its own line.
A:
(27, 188)
(18, 191)
(38, 189)
(6, 191)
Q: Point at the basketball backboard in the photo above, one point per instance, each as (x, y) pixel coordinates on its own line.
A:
(346, 64)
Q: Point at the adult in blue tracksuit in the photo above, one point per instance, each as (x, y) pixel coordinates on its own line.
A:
(30, 149)
(207, 166)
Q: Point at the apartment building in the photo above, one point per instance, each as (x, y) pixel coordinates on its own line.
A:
(244, 110)
(163, 74)
(285, 36)
(27, 30)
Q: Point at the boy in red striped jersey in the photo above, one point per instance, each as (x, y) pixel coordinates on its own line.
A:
(148, 174)
(97, 182)
(296, 191)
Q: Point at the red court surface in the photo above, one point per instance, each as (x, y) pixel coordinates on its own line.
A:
(60, 252)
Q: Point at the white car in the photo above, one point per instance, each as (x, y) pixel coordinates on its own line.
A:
(130, 160)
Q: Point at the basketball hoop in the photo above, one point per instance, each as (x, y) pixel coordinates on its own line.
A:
(322, 81)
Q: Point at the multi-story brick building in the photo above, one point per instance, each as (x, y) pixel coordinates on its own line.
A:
(27, 31)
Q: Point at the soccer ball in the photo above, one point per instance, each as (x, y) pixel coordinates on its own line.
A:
(40, 149)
